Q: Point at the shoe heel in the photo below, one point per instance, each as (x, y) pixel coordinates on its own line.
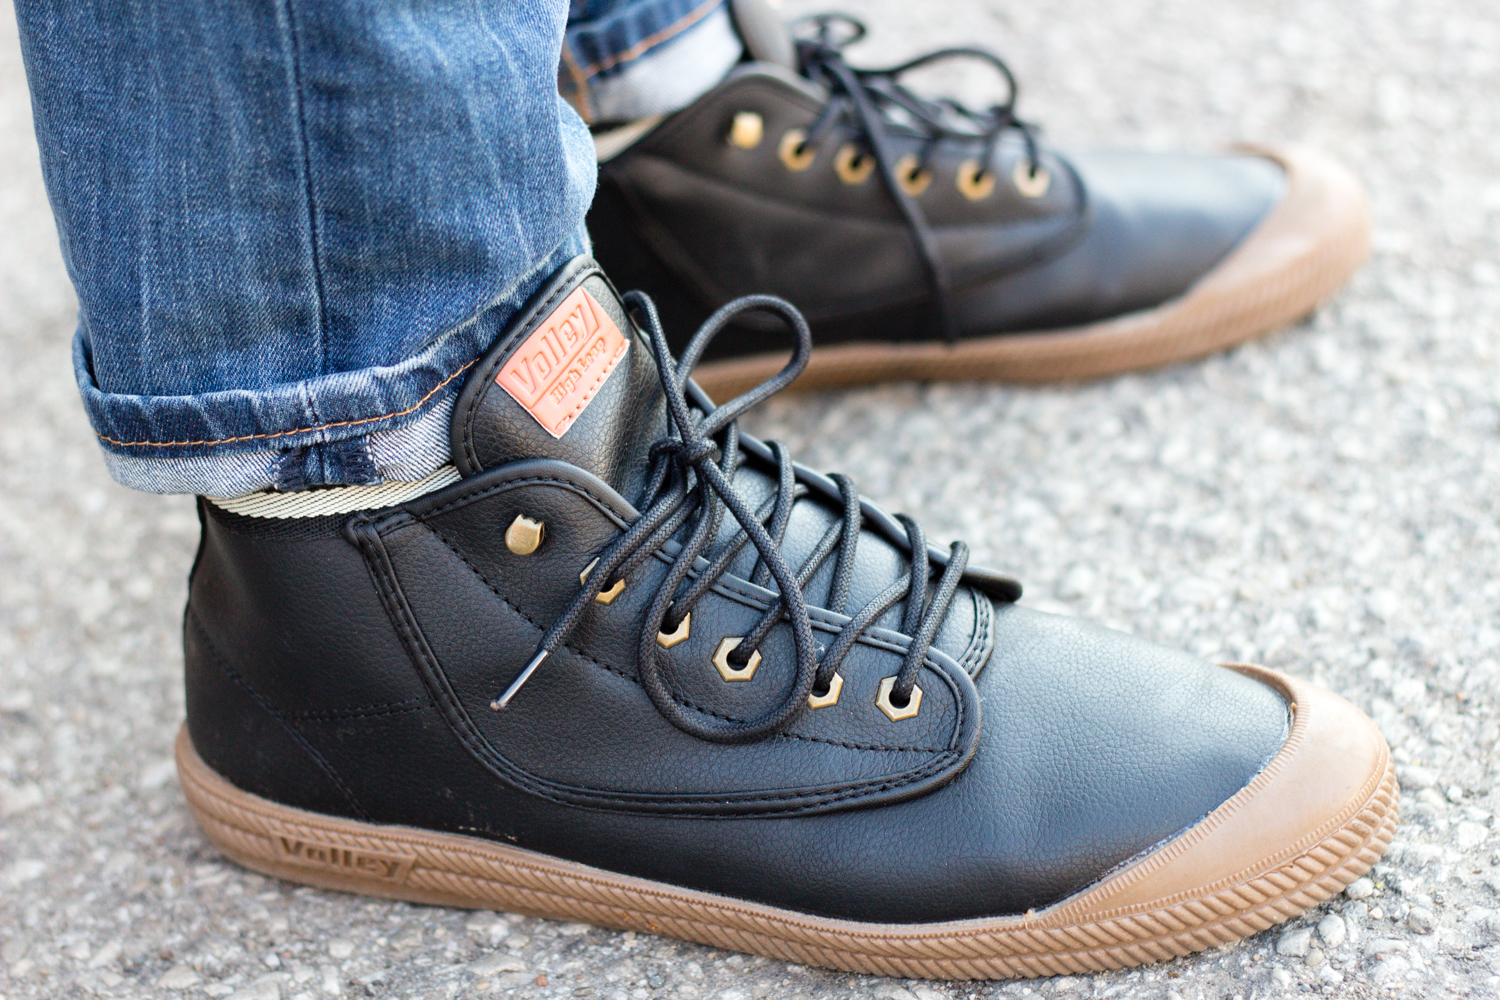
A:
(301, 846)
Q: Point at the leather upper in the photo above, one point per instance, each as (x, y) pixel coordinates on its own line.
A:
(1156, 223)
(697, 220)
(346, 665)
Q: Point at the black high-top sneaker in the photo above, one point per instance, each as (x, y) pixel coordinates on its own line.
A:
(637, 668)
(925, 239)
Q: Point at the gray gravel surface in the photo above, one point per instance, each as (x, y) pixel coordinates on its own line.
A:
(1322, 501)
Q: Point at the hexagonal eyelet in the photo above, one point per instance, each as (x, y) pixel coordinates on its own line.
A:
(729, 671)
(666, 640)
(912, 179)
(829, 697)
(1031, 185)
(524, 536)
(604, 596)
(974, 182)
(893, 712)
(853, 165)
(746, 130)
(795, 153)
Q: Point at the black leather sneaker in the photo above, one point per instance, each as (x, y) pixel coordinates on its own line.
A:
(925, 239)
(634, 667)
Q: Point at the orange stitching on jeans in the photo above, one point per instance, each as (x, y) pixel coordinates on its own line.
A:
(651, 41)
(300, 430)
(580, 101)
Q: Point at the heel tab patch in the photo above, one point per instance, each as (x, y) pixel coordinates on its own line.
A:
(558, 369)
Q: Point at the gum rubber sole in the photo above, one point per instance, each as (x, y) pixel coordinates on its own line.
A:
(1299, 255)
(1100, 928)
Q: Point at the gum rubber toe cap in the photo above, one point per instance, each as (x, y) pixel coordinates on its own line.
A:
(1156, 223)
(1310, 823)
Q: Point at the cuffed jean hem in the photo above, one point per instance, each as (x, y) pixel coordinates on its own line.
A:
(359, 428)
(647, 59)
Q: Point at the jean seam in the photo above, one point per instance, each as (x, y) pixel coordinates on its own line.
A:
(299, 430)
(294, 44)
(653, 40)
(580, 82)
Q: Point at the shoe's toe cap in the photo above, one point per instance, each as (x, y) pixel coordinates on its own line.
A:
(1170, 217)
(1315, 819)
(1155, 223)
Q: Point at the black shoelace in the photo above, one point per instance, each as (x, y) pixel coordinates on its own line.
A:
(867, 98)
(691, 480)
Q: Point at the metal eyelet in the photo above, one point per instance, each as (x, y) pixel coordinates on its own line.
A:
(974, 182)
(893, 712)
(1030, 184)
(666, 640)
(746, 130)
(853, 165)
(829, 697)
(604, 596)
(795, 153)
(524, 536)
(729, 671)
(911, 177)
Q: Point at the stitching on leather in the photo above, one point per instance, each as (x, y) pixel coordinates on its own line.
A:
(653, 40)
(623, 673)
(484, 579)
(362, 712)
(490, 491)
(725, 589)
(223, 664)
(860, 746)
(472, 739)
(981, 640)
(300, 430)
(383, 574)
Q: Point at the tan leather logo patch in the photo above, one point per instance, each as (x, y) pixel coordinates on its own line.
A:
(560, 367)
(371, 864)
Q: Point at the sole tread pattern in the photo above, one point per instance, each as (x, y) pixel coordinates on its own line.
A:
(449, 869)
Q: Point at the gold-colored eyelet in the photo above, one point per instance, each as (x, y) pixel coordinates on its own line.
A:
(893, 712)
(795, 152)
(729, 671)
(746, 130)
(667, 640)
(1031, 185)
(853, 165)
(829, 697)
(912, 179)
(605, 596)
(974, 182)
(524, 536)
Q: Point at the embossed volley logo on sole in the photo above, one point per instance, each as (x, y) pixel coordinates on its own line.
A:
(349, 861)
(556, 372)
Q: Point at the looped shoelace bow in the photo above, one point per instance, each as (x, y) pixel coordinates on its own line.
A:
(866, 98)
(691, 479)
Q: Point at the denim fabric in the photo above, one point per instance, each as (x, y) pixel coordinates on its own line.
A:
(293, 225)
(629, 59)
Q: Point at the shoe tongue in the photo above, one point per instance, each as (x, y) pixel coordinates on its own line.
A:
(570, 379)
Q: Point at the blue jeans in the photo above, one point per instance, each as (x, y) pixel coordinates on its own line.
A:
(293, 227)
